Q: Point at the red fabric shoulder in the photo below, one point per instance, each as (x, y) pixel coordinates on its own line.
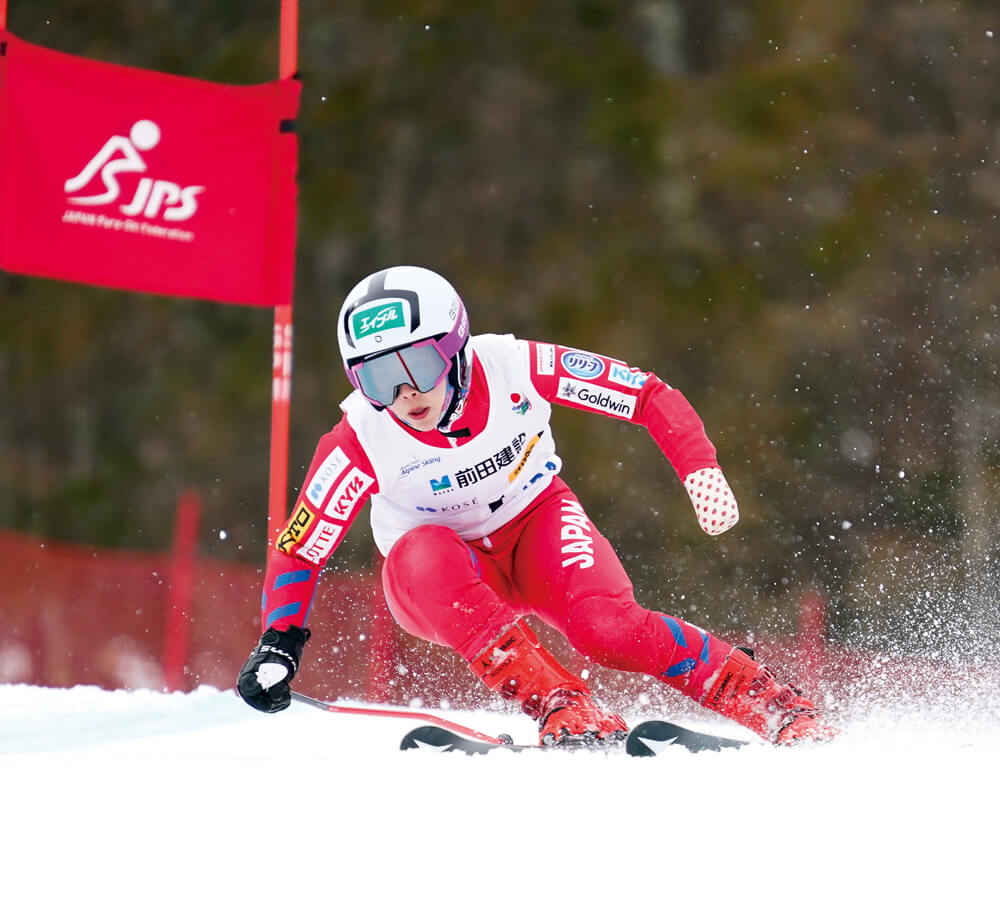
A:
(606, 385)
(581, 379)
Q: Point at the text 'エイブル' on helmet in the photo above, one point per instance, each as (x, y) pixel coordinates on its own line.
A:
(404, 325)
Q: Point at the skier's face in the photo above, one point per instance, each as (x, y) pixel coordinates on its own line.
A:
(421, 410)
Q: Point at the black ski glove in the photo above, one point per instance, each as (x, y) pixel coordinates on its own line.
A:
(265, 679)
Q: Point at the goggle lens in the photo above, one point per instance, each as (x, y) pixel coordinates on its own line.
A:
(421, 366)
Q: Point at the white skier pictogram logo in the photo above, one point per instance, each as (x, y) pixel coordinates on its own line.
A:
(434, 747)
(119, 156)
(657, 746)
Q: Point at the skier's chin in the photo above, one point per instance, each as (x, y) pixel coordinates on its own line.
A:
(422, 420)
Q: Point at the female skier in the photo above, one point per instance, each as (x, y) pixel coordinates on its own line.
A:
(449, 436)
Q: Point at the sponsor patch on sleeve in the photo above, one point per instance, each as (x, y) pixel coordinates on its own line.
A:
(629, 377)
(582, 364)
(545, 359)
(587, 395)
(297, 526)
(347, 494)
(321, 482)
(318, 545)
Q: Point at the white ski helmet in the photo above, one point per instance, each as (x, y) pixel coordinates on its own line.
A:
(402, 325)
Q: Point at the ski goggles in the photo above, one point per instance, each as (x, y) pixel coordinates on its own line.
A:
(422, 366)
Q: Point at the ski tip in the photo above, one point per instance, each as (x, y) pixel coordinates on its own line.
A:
(430, 738)
(651, 738)
(434, 739)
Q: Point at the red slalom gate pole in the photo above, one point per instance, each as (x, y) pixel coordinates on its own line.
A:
(399, 713)
(3, 13)
(289, 56)
(812, 639)
(281, 376)
(177, 632)
(281, 393)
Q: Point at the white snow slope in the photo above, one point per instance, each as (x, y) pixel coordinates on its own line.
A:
(144, 800)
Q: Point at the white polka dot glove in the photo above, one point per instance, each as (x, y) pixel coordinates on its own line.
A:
(713, 500)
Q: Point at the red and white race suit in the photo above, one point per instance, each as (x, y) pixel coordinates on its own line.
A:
(476, 525)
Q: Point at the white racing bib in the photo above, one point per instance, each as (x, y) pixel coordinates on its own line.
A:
(474, 488)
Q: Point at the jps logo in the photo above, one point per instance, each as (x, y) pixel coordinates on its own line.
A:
(120, 155)
(378, 319)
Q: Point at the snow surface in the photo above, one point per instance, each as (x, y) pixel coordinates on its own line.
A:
(145, 800)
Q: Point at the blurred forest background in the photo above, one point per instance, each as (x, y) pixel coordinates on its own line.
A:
(788, 209)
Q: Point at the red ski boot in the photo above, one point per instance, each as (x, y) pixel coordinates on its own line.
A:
(517, 667)
(749, 693)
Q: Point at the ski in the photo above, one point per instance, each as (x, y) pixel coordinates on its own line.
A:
(440, 740)
(651, 738)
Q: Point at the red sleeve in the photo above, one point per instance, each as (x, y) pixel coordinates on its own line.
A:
(339, 482)
(605, 385)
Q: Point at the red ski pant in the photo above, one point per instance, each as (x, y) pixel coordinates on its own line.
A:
(552, 562)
